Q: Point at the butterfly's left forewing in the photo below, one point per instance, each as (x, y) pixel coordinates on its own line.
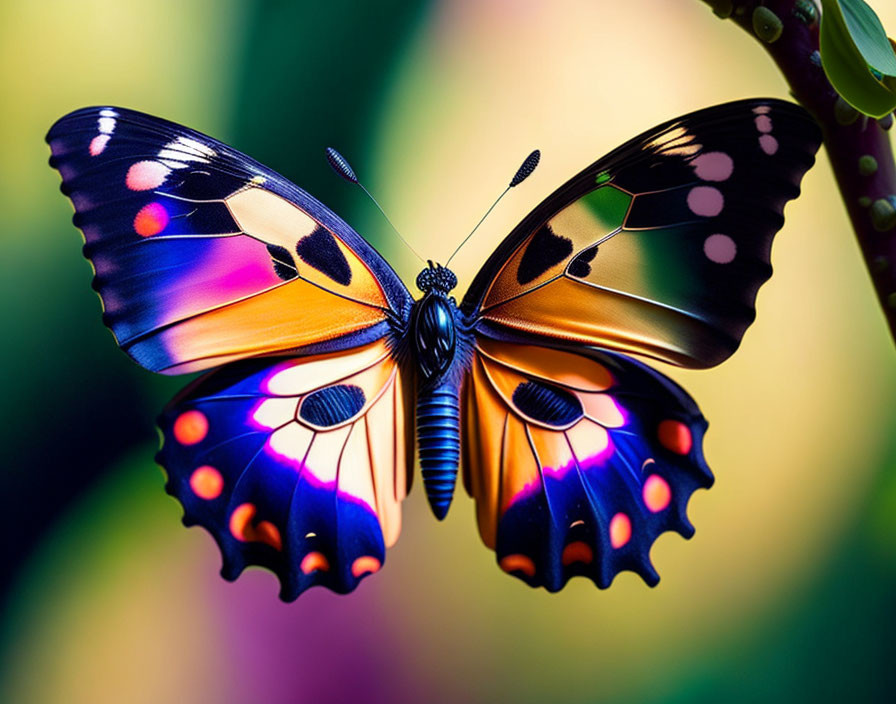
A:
(203, 256)
(297, 465)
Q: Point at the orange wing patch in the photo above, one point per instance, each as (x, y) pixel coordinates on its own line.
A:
(292, 315)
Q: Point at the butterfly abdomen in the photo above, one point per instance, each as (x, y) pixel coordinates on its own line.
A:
(438, 442)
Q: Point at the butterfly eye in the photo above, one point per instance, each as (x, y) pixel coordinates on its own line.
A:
(425, 280)
(332, 405)
(547, 404)
(445, 279)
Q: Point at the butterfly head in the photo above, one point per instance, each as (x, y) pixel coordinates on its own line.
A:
(436, 279)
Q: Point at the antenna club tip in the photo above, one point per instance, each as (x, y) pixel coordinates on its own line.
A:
(527, 167)
(339, 164)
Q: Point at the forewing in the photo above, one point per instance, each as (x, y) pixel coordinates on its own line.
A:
(660, 247)
(577, 461)
(203, 256)
(297, 465)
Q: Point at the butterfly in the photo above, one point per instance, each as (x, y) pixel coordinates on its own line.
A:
(296, 450)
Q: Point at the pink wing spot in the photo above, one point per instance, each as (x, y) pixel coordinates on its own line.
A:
(675, 436)
(242, 529)
(146, 175)
(365, 564)
(713, 166)
(763, 123)
(620, 530)
(705, 201)
(190, 427)
(657, 493)
(762, 110)
(98, 143)
(577, 552)
(151, 219)
(769, 144)
(719, 249)
(206, 482)
(314, 561)
(517, 563)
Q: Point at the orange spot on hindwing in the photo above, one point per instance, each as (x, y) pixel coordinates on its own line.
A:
(577, 552)
(620, 530)
(314, 561)
(518, 563)
(657, 493)
(365, 564)
(675, 436)
(190, 427)
(242, 529)
(206, 482)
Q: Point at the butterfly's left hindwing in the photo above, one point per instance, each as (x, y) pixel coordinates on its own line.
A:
(297, 465)
(577, 460)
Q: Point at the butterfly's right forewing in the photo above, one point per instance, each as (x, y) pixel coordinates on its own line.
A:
(660, 247)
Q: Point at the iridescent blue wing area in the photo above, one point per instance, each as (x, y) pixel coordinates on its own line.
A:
(577, 460)
(204, 256)
(296, 465)
(660, 247)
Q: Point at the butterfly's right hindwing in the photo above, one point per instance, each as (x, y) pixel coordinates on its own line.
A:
(578, 461)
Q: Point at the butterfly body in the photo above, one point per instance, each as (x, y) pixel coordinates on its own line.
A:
(439, 332)
(296, 448)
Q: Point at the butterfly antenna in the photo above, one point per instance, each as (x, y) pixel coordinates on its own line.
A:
(522, 173)
(339, 164)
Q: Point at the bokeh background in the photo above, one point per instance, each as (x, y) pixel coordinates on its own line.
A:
(784, 594)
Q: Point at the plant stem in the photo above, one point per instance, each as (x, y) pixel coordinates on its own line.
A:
(858, 146)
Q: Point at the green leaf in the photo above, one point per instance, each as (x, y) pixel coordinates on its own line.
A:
(869, 36)
(847, 68)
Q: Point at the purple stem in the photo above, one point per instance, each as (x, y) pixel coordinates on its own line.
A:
(858, 146)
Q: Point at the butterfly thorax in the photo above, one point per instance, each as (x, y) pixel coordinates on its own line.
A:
(434, 323)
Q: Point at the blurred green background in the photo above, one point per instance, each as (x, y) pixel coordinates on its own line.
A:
(784, 594)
